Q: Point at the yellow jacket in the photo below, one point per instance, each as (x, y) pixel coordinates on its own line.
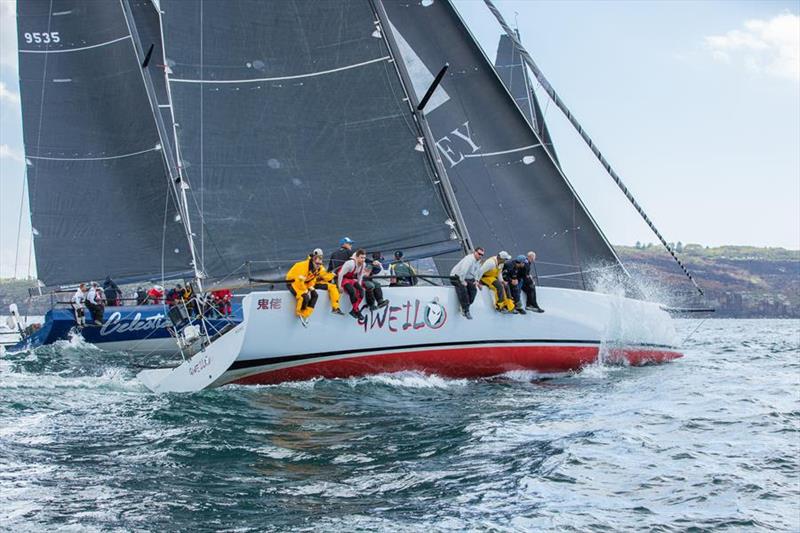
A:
(304, 279)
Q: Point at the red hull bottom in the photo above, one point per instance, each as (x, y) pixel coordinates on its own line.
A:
(462, 362)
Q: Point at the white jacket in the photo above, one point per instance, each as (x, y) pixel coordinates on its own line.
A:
(79, 298)
(467, 268)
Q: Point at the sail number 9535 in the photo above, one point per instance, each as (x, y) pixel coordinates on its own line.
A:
(42, 37)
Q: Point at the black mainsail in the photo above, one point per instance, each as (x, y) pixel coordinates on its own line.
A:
(293, 132)
(511, 192)
(98, 185)
(514, 73)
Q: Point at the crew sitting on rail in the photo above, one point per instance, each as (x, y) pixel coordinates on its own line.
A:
(141, 296)
(112, 292)
(302, 279)
(464, 277)
(351, 276)
(514, 275)
(530, 282)
(401, 272)
(340, 256)
(221, 300)
(188, 297)
(174, 295)
(373, 286)
(327, 281)
(155, 294)
(490, 275)
(78, 303)
(94, 301)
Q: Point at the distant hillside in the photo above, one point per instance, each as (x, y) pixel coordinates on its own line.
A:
(739, 281)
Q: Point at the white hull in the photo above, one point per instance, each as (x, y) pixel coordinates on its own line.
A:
(423, 330)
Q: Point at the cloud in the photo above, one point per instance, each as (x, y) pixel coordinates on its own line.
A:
(7, 95)
(6, 152)
(764, 46)
(8, 34)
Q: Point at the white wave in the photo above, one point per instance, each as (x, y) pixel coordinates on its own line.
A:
(110, 378)
(352, 458)
(409, 379)
(75, 341)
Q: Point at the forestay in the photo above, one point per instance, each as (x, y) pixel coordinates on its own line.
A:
(511, 193)
(293, 132)
(98, 187)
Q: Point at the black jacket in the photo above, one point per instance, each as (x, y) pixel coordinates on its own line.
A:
(338, 258)
(512, 270)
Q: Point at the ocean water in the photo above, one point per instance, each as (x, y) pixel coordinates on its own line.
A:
(709, 442)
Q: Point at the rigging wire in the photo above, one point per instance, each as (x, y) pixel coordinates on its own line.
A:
(19, 222)
(32, 192)
(592, 146)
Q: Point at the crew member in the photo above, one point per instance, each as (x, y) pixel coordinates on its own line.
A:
(327, 281)
(340, 256)
(112, 292)
(174, 295)
(187, 295)
(514, 274)
(464, 276)
(155, 294)
(78, 305)
(302, 279)
(141, 296)
(372, 285)
(221, 299)
(491, 276)
(529, 283)
(94, 301)
(401, 272)
(351, 276)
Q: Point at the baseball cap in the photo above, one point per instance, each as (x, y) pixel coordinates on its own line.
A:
(504, 255)
(520, 259)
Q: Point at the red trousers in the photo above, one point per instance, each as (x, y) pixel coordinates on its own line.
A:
(354, 290)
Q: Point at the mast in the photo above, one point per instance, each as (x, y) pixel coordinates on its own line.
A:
(585, 136)
(422, 124)
(176, 177)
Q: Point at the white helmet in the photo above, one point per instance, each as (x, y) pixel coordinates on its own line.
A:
(317, 251)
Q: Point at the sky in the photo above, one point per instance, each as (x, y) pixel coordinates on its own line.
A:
(696, 104)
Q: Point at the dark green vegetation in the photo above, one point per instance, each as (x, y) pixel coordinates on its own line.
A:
(739, 281)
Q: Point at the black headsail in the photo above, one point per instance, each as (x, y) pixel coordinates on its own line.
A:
(293, 132)
(98, 185)
(514, 73)
(510, 191)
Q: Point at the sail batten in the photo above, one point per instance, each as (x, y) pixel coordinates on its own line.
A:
(293, 132)
(97, 178)
(510, 190)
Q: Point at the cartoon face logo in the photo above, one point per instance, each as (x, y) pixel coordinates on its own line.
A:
(435, 315)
